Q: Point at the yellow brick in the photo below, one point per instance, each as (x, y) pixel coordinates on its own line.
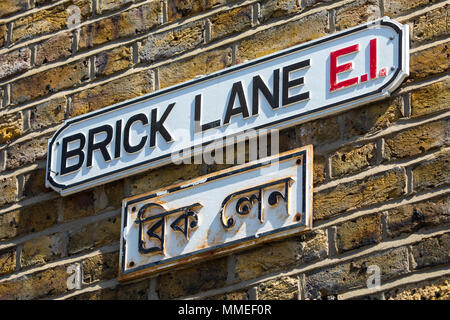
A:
(8, 190)
(394, 8)
(430, 61)
(356, 13)
(9, 7)
(48, 114)
(125, 24)
(49, 81)
(14, 62)
(110, 93)
(430, 99)
(282, 37)
(285, 288)
(57, 47)
(28, 219)
(272, 9)
(359, 194)
(431, 25)
(227, 23)
(171, 43)
(358, 233)
(417, 140)
(11, 127)
(409, 218)
(7, 261)
(436, 289)
(48, 20)
(353, 159)
(432, 173)
(118, 59)
(42, 250)
(202, 64)
(201, 277)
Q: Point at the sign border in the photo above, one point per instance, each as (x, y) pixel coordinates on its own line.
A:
(400, 74)
(305, 152)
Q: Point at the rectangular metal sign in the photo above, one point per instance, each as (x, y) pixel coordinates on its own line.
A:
(311, 80)
(217, 214)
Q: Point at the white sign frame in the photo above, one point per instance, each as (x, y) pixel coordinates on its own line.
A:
(160, 151)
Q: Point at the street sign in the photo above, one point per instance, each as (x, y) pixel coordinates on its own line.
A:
(216, 214)
(311, 80)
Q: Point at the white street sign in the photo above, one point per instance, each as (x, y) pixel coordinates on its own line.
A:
(311, 80)
(217, 214)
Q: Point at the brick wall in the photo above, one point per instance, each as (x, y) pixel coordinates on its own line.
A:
(381, 171)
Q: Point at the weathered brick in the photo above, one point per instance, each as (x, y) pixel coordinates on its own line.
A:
(318, 131)
(430, 99)
(410, 218)
(110, 5)
(48, 113)
(49, 20)
(284, 36)
(357, 194)
(28, 219)
(393, 8)
(118, 59)
(272, 9)
(428, 62)
(431, 25)
(201, 277)
(11, 127)
(201, 64)
(132, 291)
(125, 24)
(359, 232)
(178, 9)
(86, 203)
(94, 235)
(271, 257)
(3, 33)
(8, 187)
(163, 177)
(431, 252)
(353, 159)
(417, 140)
(46, 283)
(40, 251)
(100, 267)
(49, 81)
(7, 261)
(111, 93)
(435, 289)
(14, 62)
(9, 7)
(57, 47)
(371, 118)
(330, 281)
(26, 153)
(319, 169)
(285, 288)
(230, 22)
(171, 43)
(356, 13)
(432, 173)
(34, 183)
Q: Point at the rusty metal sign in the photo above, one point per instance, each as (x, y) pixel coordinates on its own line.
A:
(217, 214)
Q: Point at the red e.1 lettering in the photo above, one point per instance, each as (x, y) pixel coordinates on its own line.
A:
(335, 69)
